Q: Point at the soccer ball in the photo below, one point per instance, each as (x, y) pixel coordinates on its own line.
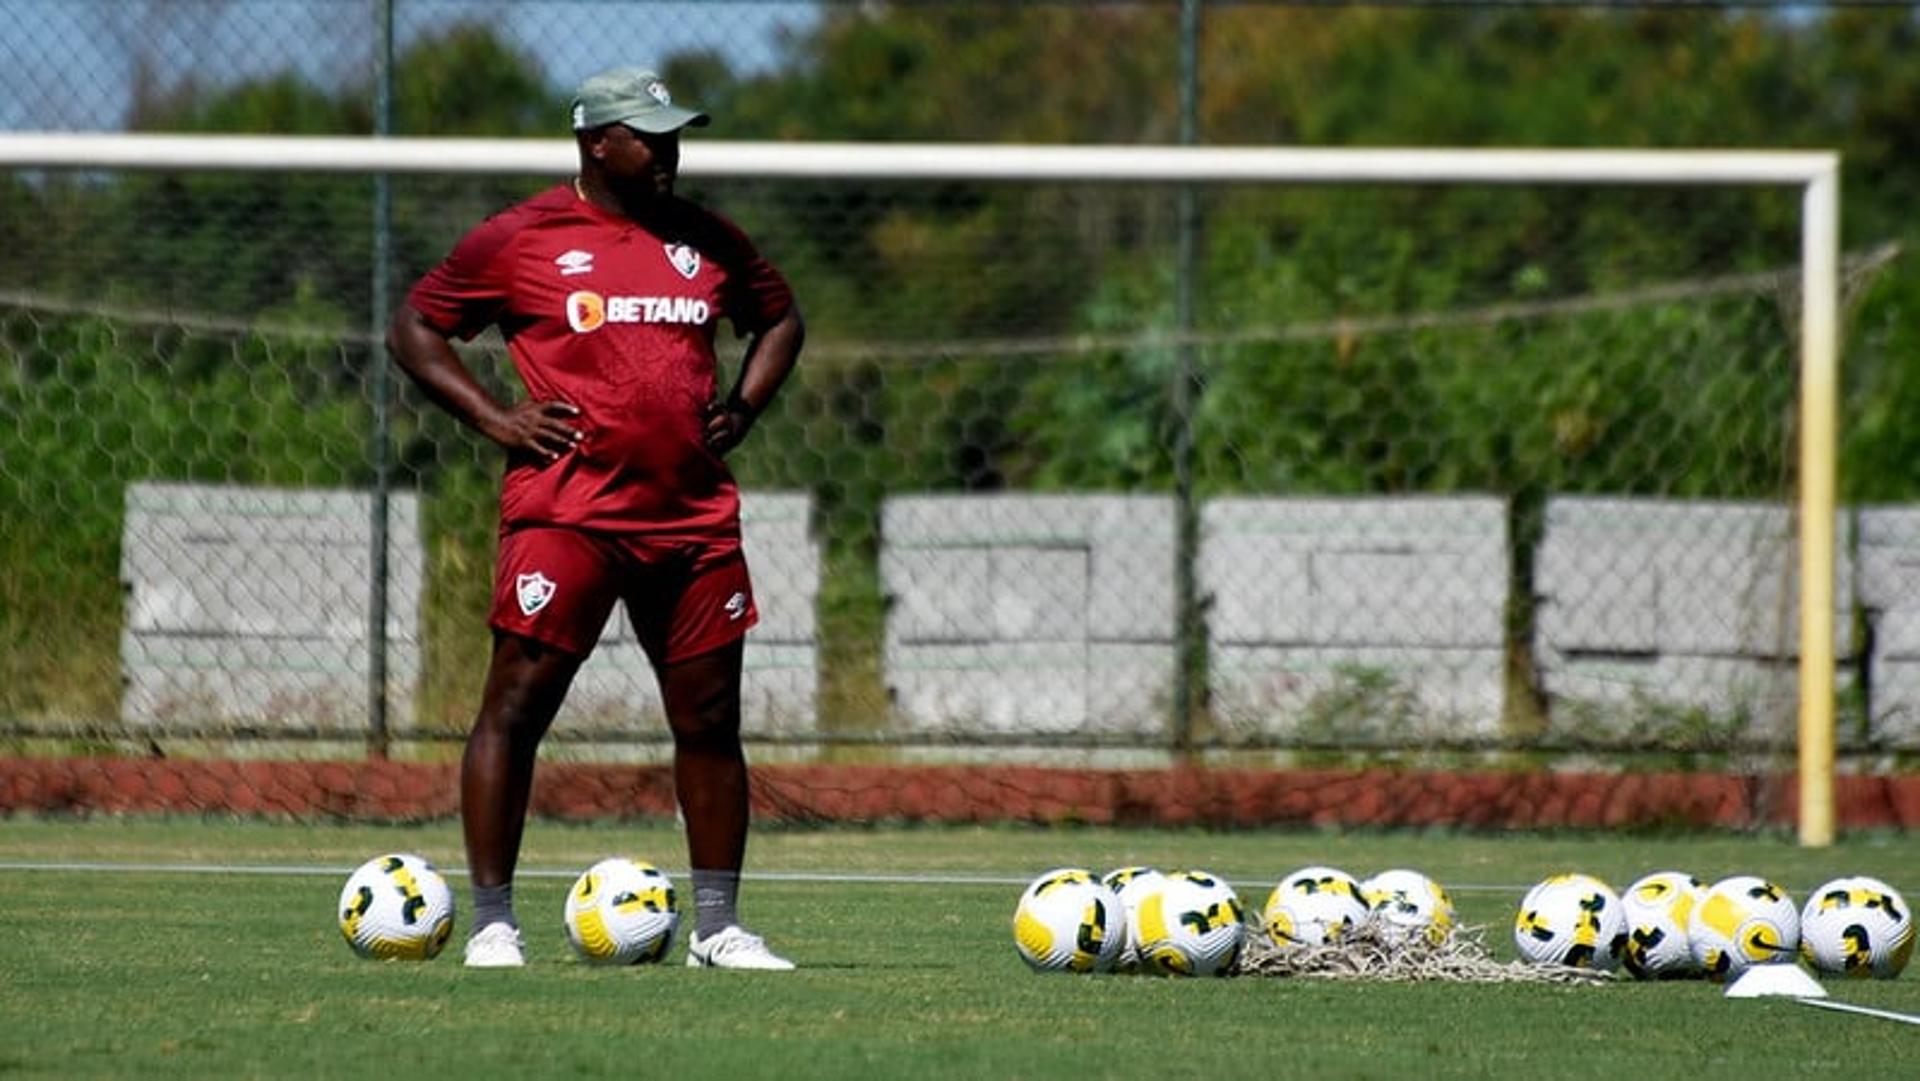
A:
(396, 906)
(1573, 920)
(1190, 924)
(1067, 920)
(1408, 906)
(1658, 907)
(1314, 906)
(621, 912)
(1130, 884)
(1743, 921)
(1857, 926)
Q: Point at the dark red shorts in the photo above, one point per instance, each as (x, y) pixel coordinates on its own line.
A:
(558, 586)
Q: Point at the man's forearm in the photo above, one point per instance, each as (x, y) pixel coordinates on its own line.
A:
(768, 362)
(429, 360)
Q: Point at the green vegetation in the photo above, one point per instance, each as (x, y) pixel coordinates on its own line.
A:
(230, 974)
(1324, 369)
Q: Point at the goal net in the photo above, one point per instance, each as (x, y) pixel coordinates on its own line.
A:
(1096, 455)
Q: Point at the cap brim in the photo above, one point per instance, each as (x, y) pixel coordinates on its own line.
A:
(666, 120)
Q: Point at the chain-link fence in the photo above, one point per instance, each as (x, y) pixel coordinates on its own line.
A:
(1125, 468)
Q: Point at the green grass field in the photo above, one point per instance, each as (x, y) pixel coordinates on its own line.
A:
(191, 948)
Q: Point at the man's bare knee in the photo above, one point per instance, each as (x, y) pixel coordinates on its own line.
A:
(525, 686)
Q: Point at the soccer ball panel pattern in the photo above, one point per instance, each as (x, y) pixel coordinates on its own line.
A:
(621, 912)
(396, 907)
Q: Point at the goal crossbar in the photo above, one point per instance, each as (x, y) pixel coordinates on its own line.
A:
(936, 161)
(1815, 173)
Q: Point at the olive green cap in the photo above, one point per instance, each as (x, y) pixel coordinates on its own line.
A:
(631, 96)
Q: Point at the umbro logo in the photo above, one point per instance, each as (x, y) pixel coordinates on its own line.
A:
(574, 262)
(736, 606)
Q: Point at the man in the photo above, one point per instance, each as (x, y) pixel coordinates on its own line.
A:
(607, 290)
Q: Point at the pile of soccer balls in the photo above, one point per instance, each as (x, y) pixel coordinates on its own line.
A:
(1192, 923)
(1672, 925)
(1667, 925)
(619, 911)
(1186, 923)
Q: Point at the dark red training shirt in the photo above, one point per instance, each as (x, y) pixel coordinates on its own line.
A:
(619, 320)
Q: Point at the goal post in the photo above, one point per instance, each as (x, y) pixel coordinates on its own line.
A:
(1814, 174)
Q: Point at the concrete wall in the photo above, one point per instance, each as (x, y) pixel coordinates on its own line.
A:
(1337, 618)
(1650, 606)
(1029, 614)
(247, 608)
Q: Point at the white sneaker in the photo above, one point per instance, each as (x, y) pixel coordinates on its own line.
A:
(497, 945)
(734, 947)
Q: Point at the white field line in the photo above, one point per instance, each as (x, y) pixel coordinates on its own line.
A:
(1890, 1015)
(928, 878)
(314, 870)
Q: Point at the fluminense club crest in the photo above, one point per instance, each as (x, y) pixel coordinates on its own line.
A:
(684, 259)
(535, 591)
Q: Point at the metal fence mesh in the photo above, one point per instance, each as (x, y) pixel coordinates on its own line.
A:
(1522, 481)
(982, 438)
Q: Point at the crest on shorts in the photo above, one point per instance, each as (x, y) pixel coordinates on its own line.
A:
(684, 259)
(535, 590)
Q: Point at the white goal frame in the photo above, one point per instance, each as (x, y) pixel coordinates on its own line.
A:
(1816, 174)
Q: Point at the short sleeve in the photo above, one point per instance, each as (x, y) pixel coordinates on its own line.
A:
(757, 294)
(468, 291)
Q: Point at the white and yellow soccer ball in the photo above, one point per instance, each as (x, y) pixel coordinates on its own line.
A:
(1857, 926)
(1314, 906)
(1069, 921)
(1130, 884)
(1408, 907)
(1574, 920)
(1658, 907)
(1743, 921)
(1190, 924)
(396, 906)
(621, 912)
